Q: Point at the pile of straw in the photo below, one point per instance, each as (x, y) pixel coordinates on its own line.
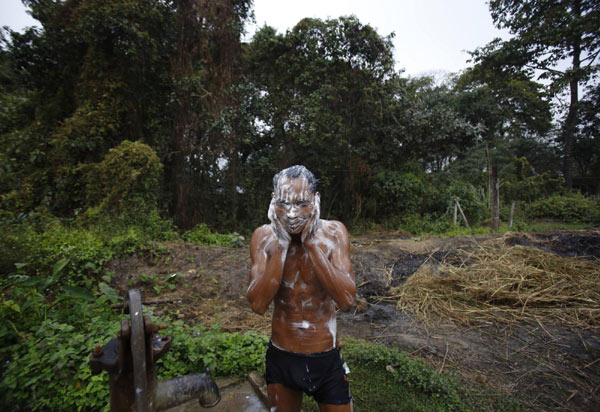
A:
(499, 283)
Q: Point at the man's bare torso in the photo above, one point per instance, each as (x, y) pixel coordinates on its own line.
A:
(304, 313)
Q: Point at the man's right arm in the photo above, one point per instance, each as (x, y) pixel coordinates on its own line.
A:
(268, 257)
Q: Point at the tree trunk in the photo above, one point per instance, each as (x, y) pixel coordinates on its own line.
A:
(183, 120)
(233, 171)
(512, 215)
(570, 126)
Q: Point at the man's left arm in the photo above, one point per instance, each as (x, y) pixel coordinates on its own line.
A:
(335, 273)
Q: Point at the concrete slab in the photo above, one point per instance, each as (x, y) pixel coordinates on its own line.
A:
(236, 396)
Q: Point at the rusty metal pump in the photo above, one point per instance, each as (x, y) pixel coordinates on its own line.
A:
(130, 362)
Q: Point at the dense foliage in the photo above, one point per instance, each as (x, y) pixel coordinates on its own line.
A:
(140, 107)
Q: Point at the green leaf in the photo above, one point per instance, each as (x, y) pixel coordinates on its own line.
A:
(77, 292)
(109, 292)
(91, 266)
(59, 266)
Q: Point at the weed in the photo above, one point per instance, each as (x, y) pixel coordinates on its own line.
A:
(47, 368)
(201, 235)
(197, 348)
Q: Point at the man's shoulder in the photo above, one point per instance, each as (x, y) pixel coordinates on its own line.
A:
(333, 227)
(262, 232)
(260, 238)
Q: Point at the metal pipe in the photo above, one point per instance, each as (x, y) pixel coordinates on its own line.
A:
(179, 390)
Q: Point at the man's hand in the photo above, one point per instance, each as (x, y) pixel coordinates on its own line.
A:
(282, 234)
(313, 223)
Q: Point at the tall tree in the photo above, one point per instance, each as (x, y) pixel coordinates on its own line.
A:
(94, 74)
(203, 71)
(434, 131)
(102, 71)
(328, 84)
(507, 106)
(547, 35)
(587, 147)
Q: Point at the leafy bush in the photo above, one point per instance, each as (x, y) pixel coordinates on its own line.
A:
(398, 193)
(47, 368)
(472, 201)
(527, 186)
(196, 348)
(126, 182)
(410, 372)
(573, 207)
(201, 235)
(533, 187)
(428, 224)
(42, 242)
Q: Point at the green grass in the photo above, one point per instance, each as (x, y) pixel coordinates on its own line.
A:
(478, 398)
(202, 235)
(542, 226)
(522, 227)
(383, 379)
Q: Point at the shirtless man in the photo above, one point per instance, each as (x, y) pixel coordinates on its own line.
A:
(302, 263)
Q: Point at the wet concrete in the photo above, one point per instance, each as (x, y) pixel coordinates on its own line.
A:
(236, 396)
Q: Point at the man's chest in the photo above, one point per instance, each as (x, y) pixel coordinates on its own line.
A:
(297, 268)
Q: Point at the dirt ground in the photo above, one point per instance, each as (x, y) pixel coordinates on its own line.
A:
(546, 365)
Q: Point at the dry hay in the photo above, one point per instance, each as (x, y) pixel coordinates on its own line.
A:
(499, 283)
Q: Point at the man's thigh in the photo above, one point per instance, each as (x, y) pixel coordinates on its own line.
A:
(284, 398)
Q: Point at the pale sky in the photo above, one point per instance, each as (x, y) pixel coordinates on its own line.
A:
(432, 36)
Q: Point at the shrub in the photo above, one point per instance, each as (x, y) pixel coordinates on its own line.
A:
(126, 182)
(573, 207)
(398, 193)
(197, 348)
(527, 186)
(41, 243)
(47, 368)
(427, 224)
(201, 235)
(472, 201)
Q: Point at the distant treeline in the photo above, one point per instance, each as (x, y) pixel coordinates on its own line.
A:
(141, 106)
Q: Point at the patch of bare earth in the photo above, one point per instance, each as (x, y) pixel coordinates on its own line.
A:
(546, 363)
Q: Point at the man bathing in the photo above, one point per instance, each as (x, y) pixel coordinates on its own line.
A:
(302, 264)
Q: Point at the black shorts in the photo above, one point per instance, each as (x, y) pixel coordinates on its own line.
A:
(320, 375)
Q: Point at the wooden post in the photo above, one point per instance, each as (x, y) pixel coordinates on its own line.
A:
(512, 214)
(454, 216)
(463, 215)
(495, 199)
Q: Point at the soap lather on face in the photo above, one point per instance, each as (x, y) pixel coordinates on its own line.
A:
(293, 203)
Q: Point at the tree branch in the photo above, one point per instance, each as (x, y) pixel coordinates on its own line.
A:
(545, 68)
(591, 58)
